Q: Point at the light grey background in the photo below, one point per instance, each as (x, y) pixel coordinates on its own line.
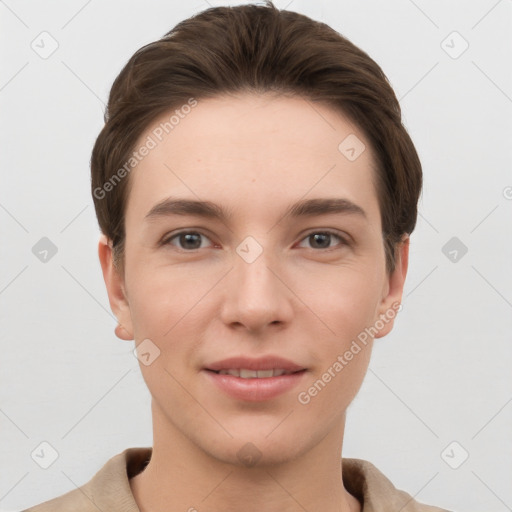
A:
(442, 375)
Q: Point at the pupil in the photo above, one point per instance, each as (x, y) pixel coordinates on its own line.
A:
(319, 236)
(188, 237)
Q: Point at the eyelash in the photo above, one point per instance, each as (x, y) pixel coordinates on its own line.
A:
(343, 241)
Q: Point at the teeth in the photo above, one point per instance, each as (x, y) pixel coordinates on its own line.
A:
(248, 374)
(265, 373)
(244, 373)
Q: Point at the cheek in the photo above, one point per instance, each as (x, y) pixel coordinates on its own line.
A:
(162, 299)
(346, 299)
(335, 382)
(166, 309)
(341, 360)
(171, 308)
(347, 306)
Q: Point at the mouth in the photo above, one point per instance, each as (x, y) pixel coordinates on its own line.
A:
(247, 385)
(254, 379)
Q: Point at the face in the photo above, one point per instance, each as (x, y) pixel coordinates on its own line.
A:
(286, 262)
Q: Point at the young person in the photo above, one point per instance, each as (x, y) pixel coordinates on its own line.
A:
(256, 190)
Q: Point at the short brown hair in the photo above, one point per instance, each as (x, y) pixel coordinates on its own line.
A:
(256, 48)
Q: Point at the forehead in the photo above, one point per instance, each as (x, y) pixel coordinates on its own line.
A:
(253, 151)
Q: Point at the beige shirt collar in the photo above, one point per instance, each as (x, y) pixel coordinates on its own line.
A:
(109, 489)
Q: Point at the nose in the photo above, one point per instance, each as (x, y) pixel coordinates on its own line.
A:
(257, 295)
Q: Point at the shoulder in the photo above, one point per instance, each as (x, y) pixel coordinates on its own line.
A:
(109, 489)
(367, 483)
(76, 500)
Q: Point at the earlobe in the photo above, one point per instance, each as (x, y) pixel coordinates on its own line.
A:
(390, 304)
(122, 333)
(114, 283)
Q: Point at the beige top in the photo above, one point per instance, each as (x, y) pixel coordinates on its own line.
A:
(109, 489)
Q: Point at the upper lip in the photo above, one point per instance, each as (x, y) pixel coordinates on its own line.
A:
(261, 363)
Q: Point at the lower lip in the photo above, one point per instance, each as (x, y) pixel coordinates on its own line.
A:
(255, 390)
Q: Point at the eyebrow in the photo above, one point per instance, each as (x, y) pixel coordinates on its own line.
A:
(209, 210)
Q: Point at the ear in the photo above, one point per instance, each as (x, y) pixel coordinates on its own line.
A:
(390, 303)
(114, 282)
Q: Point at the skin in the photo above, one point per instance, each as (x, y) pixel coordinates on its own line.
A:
(254, 155)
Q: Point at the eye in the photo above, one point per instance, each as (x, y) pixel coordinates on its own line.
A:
(191, 240)
(323, 239)
(186, 240)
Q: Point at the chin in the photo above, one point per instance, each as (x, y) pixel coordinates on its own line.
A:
(255, 449)
(249, 455)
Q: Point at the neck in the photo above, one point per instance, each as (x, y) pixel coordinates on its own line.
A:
(182, 477)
